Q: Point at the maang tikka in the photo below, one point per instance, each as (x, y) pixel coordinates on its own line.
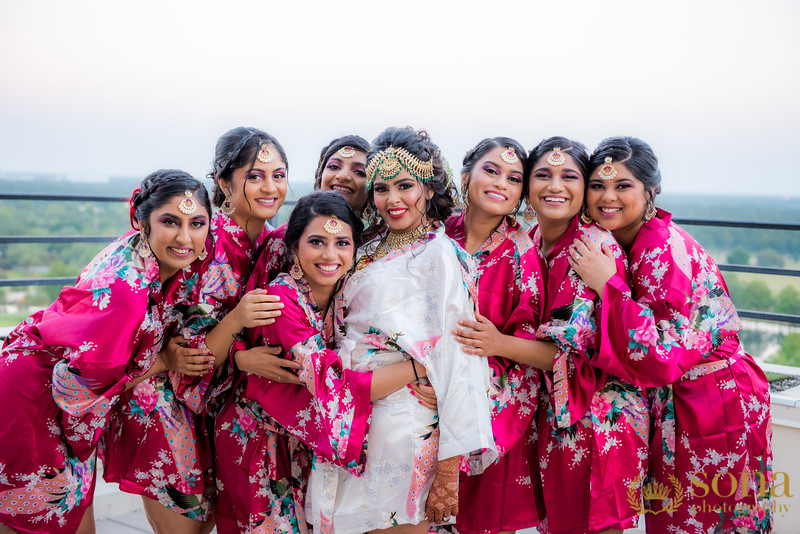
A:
(510, 156)
(264, 154)
(188, 205)
(347, 152)
(556, 157)
(333, 226)
(607, 171)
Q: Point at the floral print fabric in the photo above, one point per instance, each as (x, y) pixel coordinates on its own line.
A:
(403, 306)
(64, 370)
(511, 295)
(672, 326)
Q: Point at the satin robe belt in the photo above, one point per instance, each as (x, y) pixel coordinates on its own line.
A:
(706, 368)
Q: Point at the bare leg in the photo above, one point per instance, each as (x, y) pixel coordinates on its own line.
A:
(165, 521)
(421, 528)
(5, 530)
(612, 531)
(87, 523)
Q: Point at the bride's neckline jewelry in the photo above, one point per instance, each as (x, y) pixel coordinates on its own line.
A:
(393, 241)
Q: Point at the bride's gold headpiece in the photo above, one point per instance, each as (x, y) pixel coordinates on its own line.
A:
(388, 163)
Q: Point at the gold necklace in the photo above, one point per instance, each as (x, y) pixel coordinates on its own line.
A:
(393, 241)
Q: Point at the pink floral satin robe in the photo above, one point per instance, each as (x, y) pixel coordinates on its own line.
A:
(265, 435)
(511, 295)
(158, 444)
(592, 445)
(62, 373)
(672, 326)
(222, 285)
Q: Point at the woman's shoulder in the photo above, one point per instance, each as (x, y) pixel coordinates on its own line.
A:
(600, 236)
(284, 286)
(120, 265)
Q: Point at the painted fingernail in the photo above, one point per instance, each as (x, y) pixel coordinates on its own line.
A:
(413, 392)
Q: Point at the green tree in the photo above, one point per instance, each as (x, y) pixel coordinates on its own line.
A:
(769, 257)
(57, 269)
(790, 351)
(755, 296)
(739, 256)
(788, 301)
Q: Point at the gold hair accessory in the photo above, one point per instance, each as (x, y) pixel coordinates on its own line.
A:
(388, 164)
(333, 226)
(188, 205)
(510, 156)
(556, 157)
(264, 155)
(347, 152)
(608, 172)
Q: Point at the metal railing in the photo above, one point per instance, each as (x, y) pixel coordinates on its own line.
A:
(751, 314)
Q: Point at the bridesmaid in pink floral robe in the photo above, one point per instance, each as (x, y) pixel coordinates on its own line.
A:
(670, 325)
(510, 295)
(269, 429)
(157, 445)
(65, 368)
(592, 445)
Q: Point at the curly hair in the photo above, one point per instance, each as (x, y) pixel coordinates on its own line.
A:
(419, 144)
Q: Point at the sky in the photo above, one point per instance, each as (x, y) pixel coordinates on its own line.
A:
(93, 89)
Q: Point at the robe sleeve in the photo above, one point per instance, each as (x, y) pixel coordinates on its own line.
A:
(674, 324)
(573, 329)
(334, 419)
(443, 280)
(93, 372)
(514, 387)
